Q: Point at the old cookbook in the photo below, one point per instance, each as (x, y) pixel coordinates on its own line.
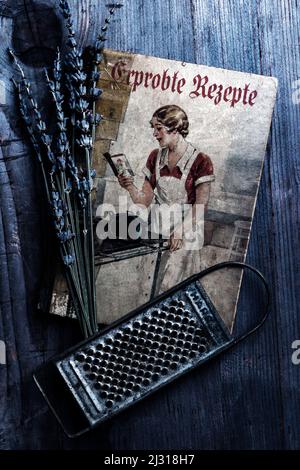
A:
(178, 158)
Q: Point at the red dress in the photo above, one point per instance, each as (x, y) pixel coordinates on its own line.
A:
(177, 188)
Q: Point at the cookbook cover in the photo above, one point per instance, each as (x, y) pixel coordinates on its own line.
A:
(178, 159)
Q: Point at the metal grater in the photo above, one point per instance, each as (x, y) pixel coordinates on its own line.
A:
(126, 363)
(138, 354)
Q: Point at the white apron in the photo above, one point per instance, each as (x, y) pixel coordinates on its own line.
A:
(178, 265)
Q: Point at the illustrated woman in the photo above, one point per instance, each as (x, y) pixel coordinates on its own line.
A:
(177, 174)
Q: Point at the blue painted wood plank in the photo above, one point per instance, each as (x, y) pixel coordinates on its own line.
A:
(249, 397)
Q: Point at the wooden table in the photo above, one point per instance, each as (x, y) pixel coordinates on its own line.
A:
(249, 397)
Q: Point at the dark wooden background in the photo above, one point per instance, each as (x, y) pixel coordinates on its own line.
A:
(249, 397)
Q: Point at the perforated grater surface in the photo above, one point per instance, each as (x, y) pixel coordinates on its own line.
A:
(128, 361)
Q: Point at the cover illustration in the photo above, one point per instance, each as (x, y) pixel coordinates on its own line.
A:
(178, 159)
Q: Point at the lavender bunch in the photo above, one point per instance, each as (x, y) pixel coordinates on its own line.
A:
(65, 159)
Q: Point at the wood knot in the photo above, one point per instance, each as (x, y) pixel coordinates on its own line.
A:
(37, 31)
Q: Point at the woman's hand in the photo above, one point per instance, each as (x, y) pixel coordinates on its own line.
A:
(126, 181)
(175, 242)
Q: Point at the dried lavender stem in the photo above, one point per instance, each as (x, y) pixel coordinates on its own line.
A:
(90, 233)
(75, 246)
(32, 137)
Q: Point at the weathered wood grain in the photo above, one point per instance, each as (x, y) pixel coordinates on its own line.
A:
(248, 398)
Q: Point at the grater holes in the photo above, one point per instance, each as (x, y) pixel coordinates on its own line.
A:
(125, 369)
(127, 356)
(165, 338)
(107, 340)
(146, 350)
(89, 360)
(150, 336)
(188, 338)
(190, 329)
(143, 358)
(202, 348)
(117, 343)
(187, 346)
(96, 361)
(126, 338)
(141, 341)
(163, 315)
(168, 356)
(159, 330)
(92, 376)
(138, 348)
(117, 374)
(114, 389)
(157, 337)
(151, 328)
(172, 309)
(155, 313)
(80, 357)
(115, 359)
(183, 359)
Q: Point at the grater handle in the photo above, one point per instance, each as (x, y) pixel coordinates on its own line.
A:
(240, 265)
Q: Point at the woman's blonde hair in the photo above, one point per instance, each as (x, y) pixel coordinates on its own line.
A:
(174, 118)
